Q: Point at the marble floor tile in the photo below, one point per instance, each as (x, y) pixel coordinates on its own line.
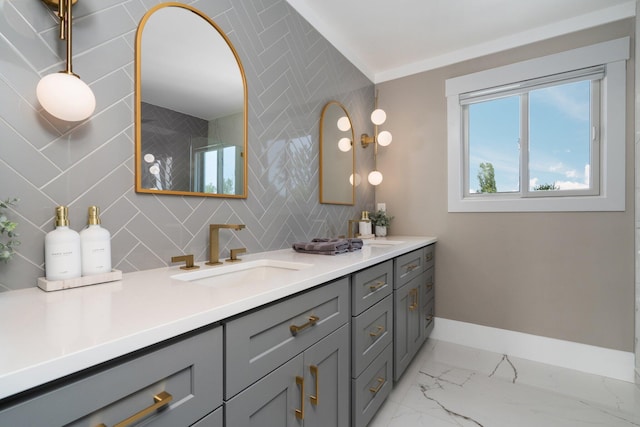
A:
(452, 385)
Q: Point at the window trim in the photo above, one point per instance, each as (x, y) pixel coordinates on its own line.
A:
(613, 54)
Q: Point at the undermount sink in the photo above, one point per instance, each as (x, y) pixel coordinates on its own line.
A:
(241, 272)
(381, 242)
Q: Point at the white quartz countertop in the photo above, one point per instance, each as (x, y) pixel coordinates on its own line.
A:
(48, 335)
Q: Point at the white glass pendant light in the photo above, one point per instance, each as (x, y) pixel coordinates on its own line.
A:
(63, 94)
(375, 177)
(384, 138)
(378, 116)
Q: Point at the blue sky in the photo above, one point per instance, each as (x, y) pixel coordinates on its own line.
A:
(558, 138)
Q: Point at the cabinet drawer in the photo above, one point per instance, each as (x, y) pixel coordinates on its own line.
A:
(371, 286)
(189, 370)
(259, 342)
(429, 256)
(407, 267)
(372, 333)
(372, 387)
(429, 285)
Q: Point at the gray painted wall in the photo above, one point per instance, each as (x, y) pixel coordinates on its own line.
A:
(291, 73)
(561, 275)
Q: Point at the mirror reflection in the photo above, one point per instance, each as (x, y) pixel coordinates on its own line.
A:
(191, 106)
(337, 155)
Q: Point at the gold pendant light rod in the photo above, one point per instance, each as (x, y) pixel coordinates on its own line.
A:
(62, 94)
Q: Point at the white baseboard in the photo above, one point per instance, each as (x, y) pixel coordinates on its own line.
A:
(582, 357)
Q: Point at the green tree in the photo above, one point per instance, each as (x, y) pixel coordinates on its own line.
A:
(546, 187)
(486, 178)
(229, 188)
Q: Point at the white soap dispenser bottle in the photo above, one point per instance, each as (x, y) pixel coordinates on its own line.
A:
(62, 249)
(96, 245)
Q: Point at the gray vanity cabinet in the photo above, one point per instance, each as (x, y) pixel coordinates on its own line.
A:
(414, 302)
(288, 363)
(185, 375)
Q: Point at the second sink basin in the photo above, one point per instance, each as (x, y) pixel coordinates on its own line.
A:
(242, 272)
(381, 242)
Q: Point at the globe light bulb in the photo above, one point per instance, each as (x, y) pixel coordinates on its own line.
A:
(344, 144)
(384, 138)
(344, 124)
(66, 97)
(355, 179)
(154, 170)
(374, 178)
(378, 116)
(149, 158)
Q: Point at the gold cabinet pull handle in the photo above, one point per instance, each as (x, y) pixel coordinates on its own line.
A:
(378, 386)
(377, 286)
(377, 332)
(429, 286)
(300, 412)
(414, 295)
(315, 398)
(161, 399)
(412, 267)
(429, 256)
(312, 321)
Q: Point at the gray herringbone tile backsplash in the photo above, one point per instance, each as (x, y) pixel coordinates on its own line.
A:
(292, 72)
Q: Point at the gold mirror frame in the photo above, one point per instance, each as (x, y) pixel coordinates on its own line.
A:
(336, 166)
(138, 108)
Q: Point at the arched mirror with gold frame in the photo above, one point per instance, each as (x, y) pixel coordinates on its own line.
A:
(190, 106)
(337, 155)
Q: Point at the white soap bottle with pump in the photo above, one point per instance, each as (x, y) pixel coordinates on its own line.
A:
(62, 249)
(96, 245)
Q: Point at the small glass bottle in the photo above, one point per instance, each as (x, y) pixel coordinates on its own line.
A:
(96, 245)
(62, 249)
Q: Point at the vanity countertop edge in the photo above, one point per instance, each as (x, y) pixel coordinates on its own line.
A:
(45, 336)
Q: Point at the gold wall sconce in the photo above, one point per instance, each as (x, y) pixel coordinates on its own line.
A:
(63, 94)
(383, 138)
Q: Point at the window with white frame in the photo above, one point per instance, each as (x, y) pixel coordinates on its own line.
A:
(542, 135)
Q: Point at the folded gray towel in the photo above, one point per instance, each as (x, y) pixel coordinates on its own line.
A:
(323, 247)
(355, 244)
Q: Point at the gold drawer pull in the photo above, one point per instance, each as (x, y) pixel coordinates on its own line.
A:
(429, 256)
(378, 331)
(429, 318)
(314, 371)
(295, 328)
(161, 399)
(300, 412)
(414, 296)
(377, 388)
(377, 286)
(412, 267)
(429, 286)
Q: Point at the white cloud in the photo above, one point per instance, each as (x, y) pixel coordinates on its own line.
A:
(571, 173)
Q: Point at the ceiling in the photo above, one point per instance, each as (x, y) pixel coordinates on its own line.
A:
(390, 39)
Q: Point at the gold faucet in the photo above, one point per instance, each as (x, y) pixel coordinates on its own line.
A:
(234, 254)
(188, 260)
(350, 233)
(214, 241)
